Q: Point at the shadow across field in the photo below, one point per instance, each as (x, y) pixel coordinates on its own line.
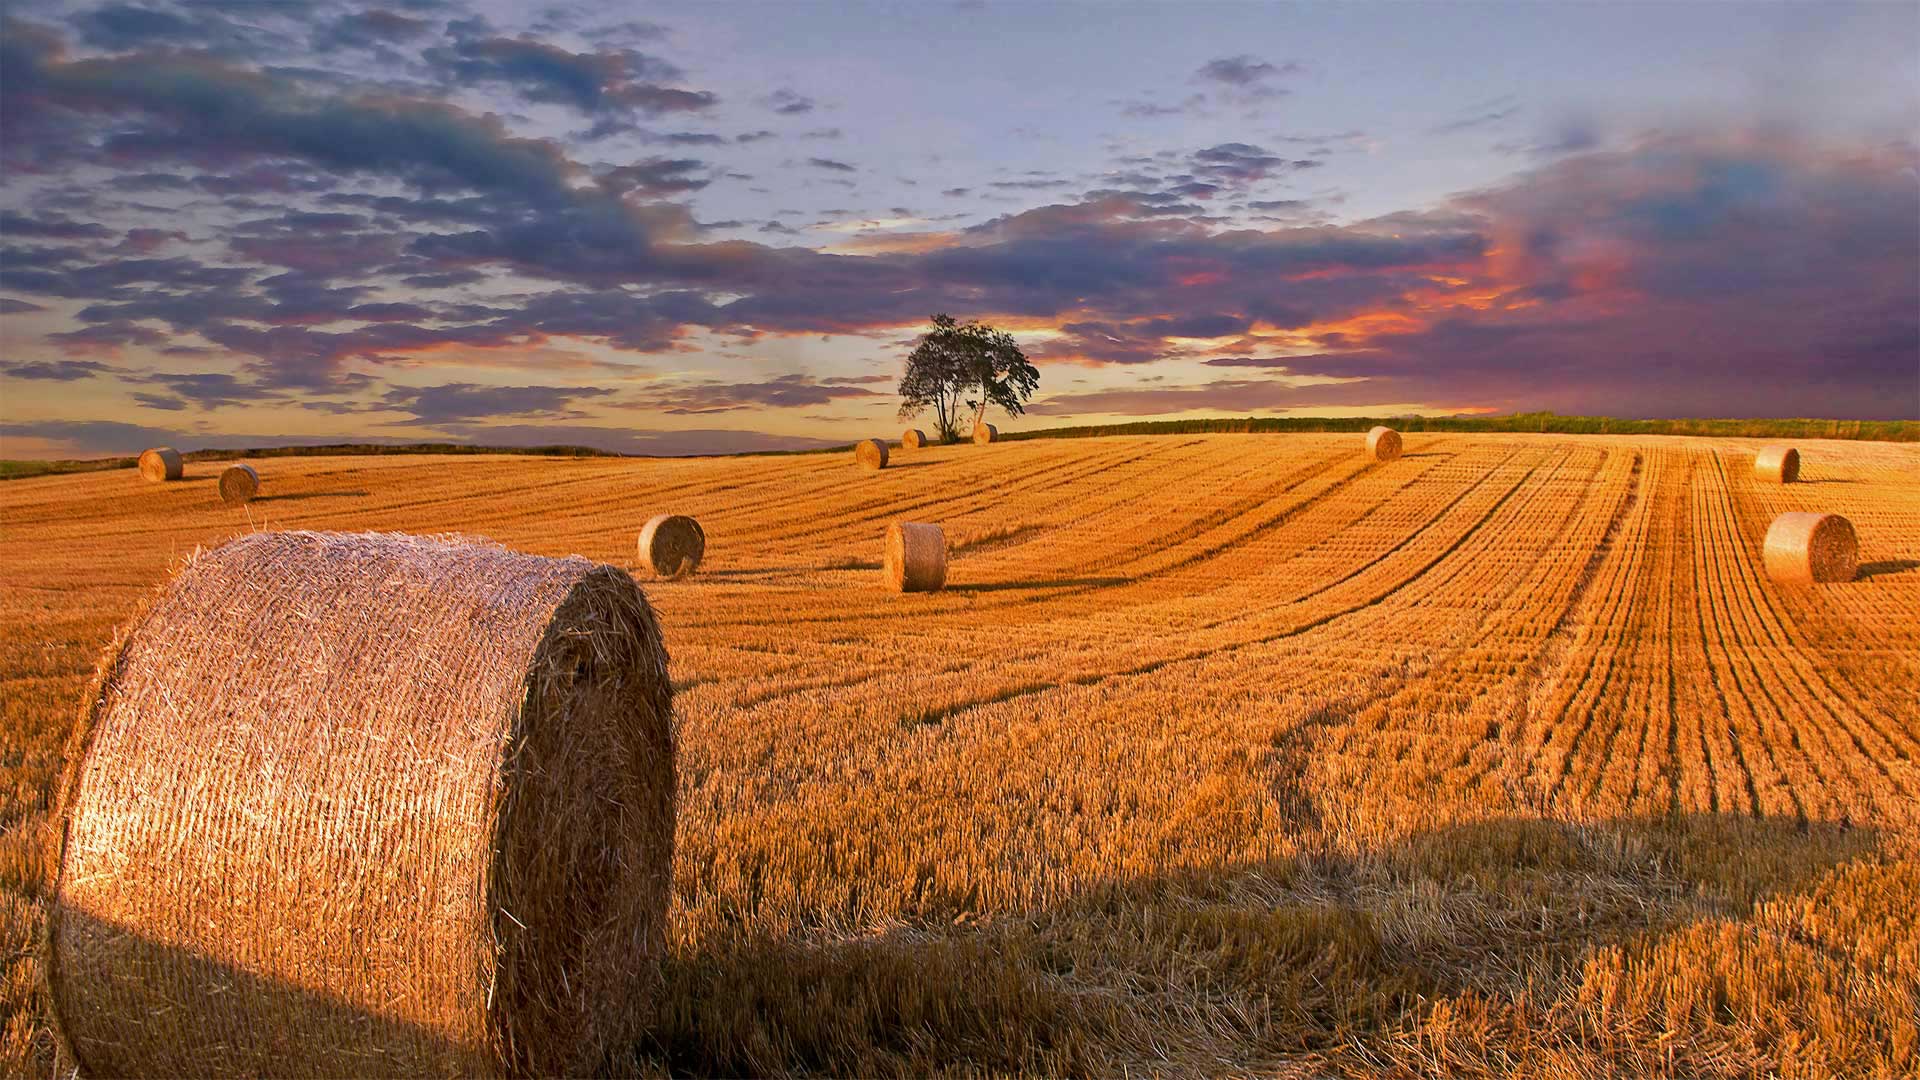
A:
(1887, 566)
(301, 496)
(1056, 583)
(1221, 969)
(264, 1024)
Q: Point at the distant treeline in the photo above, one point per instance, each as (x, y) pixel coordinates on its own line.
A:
(1876, 430)
(16, 470)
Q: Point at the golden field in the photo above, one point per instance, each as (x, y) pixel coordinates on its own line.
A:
(1220, 754)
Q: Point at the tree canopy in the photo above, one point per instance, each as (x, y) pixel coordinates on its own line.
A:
(970, 362)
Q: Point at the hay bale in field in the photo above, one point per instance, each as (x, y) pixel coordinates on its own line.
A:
(984, 434)
(916, 559)
(364, 804)
(1807, 549)
(161, 463)
(1777, 465)
(913, 439)
(871, 452)
(1383, 444)
(238, 484)
(672, 545)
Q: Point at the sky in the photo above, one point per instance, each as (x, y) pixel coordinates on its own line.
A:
(698, 228)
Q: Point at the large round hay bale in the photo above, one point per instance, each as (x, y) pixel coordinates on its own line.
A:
(985, 433)
(238, 484)
(1777, 465)
(916, 559)
(355, 805)
(161, 463)
(871, 452)
(672, 545)
(1806, 548)
(1383, 444)
(913, 439)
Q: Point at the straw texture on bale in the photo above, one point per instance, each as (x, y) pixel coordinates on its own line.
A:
(365, 804)
(1383, 444)
(238, 483)
(1777, 465)
(672, 545)
(1808, 549)
(913, 439)
(161, 463)
(916, 559)
(871, 453)
(985, 433)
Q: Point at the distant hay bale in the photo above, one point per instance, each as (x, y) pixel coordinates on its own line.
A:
(871, 452)
(913, 439)
(1807, 549)
(238, 484)
(985, 433)
(1777, 465)
(672, 545)
(1383, 444)
(916, 559)
(161, 463)
(365, 804)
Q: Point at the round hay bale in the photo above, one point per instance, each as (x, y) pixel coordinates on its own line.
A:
(238, 484)
(984, 434)
(1383, 444)
(161, 463)
(1777, 465)
(871, 452)
(916, 559)
(913, 439)
(365, 804)
(672, 545)
(1807, 548)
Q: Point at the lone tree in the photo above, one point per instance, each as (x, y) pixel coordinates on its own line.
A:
(965, 361)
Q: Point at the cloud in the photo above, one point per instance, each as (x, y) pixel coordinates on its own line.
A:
(55, 370)
(453, 402)
(1243, 70)
(589, 82)
(656, 177)
(783, 392)
(788, 103)
(831, 165)
(370, 29)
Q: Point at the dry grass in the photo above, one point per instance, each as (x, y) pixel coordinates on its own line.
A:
(1223, 754)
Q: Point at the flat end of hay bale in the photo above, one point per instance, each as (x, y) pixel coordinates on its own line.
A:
(238, 483)
(1383, 444)
(984, 434)
(916, 557)
(161, 463)
(672, 545)
(1777, 465)
(913, 439)
(1811, 549)
(441, 843)
(871, 453)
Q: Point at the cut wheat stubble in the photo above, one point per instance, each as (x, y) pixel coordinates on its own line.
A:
(358, 804)
(916, 557)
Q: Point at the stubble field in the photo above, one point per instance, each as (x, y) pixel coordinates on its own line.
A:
(1219, 754)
